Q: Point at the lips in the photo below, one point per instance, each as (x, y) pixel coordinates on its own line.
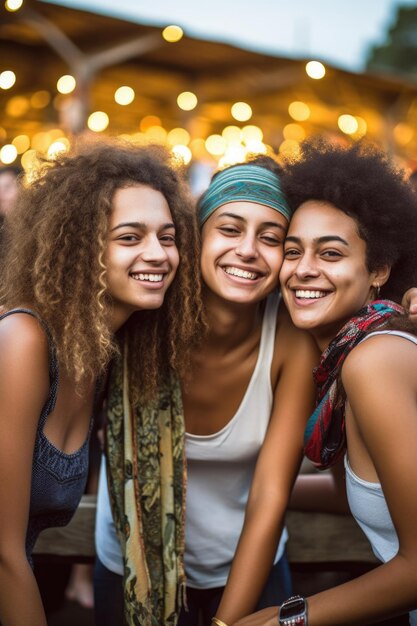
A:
(240, 272)
(152, 278)
(310, 294)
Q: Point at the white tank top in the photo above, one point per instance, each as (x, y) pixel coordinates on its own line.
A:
(208, 555)
(107, 544)
(367, 502)
(220, 469)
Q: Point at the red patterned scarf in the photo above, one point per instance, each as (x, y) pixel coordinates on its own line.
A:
(324, 437)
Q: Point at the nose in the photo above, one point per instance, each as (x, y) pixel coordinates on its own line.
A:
(153, 251)
(247, 247)
(306, 267)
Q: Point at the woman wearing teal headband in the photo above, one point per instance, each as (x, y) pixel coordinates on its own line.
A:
(250, 390)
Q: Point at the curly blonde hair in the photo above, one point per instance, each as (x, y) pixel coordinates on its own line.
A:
(54, 263)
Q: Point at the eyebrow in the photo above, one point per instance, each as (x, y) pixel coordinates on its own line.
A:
(324, 239)
(242, 219)
(141, 226)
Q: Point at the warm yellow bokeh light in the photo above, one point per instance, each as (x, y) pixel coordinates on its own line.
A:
(66, 84)
(252, 133)
(139, 139)
(124, 95)
(299, 111)
(403, 133)
(232, 134)
(178, 136)
(7, 79)
(289, 148)
(294, 131)
(148, 121)
(215, 145)
(255, 146)
(29, 160)
(98, 121)
(13, 5)
(17, 106)
(182, 153)
(40, 142)
(234, 154)
(198, 148)
(187, 101)
(315, 69)
(56, 148)
(8, 154)
(21, 143)
(172, 33)
(362, 126)
(348, 124)
(156, 134)
(40, 99)
(241, 111)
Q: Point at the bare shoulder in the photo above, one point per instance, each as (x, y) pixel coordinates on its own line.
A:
(23, 340)
(381, 355)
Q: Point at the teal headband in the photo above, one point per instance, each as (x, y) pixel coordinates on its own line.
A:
(245, 183)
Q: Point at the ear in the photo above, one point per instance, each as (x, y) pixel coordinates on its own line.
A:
(380, 276)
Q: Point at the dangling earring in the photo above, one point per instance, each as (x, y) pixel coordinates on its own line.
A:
(377, 289)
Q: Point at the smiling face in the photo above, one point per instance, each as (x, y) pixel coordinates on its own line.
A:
(242, 248)
(141, 255)
(324, 277)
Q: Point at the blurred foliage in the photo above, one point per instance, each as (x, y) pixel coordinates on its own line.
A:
(398, 54)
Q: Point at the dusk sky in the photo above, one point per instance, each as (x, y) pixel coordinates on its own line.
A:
(337, 31)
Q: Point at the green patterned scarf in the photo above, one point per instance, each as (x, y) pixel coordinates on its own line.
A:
(146, 473)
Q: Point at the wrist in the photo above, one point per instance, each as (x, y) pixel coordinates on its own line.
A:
(293, 612)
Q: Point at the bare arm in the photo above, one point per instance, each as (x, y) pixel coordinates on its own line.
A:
(24, 387)
(382, 395)
(276, 469)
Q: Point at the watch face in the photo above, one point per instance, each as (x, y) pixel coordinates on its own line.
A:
(292, 608)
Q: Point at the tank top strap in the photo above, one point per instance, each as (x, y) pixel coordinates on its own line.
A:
(396, 333)
(53, 364)
(269, 323)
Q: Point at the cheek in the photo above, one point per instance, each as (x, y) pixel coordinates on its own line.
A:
(210, 249)
(174, 259)
(275, 261)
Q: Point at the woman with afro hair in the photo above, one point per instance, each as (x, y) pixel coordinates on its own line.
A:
(93, 248)
(349, 255)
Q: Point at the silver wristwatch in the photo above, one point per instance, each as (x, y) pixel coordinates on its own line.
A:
(293, 612)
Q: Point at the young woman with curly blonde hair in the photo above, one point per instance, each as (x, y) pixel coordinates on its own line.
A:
(92, 250)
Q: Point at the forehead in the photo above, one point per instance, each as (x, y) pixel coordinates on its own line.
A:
(314, 219)
(139, 203)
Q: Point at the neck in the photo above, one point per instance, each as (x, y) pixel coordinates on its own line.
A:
(117, 319)
(230, 323)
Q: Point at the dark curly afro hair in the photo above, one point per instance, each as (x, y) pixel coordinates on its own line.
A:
(363, 182)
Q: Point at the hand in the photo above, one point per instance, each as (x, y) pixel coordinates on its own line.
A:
(409, 302)
(266, 617)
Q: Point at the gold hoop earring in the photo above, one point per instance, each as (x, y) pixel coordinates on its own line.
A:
(377, 289)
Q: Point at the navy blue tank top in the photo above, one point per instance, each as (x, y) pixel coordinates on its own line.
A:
(58, 479)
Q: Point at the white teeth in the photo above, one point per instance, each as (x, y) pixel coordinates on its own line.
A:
(153, 278)
(308, 293)
(235, 271)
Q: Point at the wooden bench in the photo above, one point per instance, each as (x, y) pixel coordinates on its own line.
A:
(321, 540)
